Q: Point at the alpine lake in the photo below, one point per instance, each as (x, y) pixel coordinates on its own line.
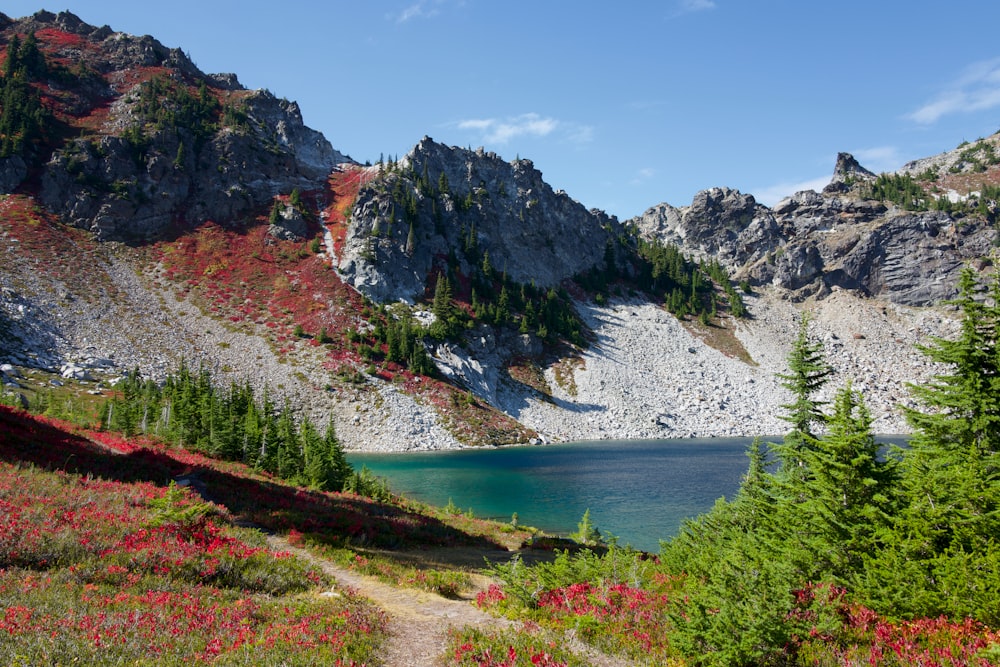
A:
(639, 491)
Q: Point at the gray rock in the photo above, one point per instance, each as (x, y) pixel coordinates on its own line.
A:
(75, 372)
(720, 223)
(501, 208)
(812, 242)
(291, 225)
(13, 171)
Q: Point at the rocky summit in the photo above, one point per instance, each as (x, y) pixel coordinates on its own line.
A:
(439, 199)
(844, 237)
(153, 140)
(446, 298)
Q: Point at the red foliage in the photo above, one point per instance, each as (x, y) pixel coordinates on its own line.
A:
(250, 276)
(841, 632)
(53, 38)
(341, 194)
(58, 445)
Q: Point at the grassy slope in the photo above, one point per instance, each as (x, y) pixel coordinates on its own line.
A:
(102, 561)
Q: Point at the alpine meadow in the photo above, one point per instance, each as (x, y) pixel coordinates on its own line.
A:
(206, 309)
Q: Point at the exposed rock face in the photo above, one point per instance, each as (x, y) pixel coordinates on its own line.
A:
(478, 363)
(13, 170)
(104, 188)
(847, 170)
(457, 199)
(135, 177)
(811, 242)
(721, 223)
(291, 225)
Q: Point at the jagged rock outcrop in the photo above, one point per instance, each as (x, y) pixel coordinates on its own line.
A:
(455, 200)
(478, 363)
(720, 223)
(846, 172)
(810, 242)
(141, 170)
(290, 225)
(104, 187)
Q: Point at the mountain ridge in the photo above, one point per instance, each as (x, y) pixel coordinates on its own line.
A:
(244, 226)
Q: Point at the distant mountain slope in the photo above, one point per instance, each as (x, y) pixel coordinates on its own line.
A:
(139, 139)
(257, 249)
(902, 236)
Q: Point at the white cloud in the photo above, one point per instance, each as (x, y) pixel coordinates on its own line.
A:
(421, 9)
(683, 7)
(642, 176)
(502, 131)
(771, 195)
(696, 5)
(480, 125)
(976, 89)
(879, 158)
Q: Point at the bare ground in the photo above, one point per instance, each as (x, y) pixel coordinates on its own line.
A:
(419, 621)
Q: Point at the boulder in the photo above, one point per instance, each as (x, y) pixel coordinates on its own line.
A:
(13, 171)
(291, 225)
(74, 372)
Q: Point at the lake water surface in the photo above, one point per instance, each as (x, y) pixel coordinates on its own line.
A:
(637, 490)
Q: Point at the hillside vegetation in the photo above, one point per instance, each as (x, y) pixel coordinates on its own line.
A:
(832, 552)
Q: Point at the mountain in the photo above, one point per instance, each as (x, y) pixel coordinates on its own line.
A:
(858, 234)
(441, 199)
(154, 214)
(141, 139)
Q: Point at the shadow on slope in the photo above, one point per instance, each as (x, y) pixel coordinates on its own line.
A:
(346, 518)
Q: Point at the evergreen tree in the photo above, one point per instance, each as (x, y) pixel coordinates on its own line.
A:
(339, 469)
(944, 559)
(807, 373)
(846, 501)
(444, 324)
(289, 458)
(316, 465)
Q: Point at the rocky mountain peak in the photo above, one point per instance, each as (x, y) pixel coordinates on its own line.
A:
(155, 140)
(848, 169)
(844, 237)
(447, 206)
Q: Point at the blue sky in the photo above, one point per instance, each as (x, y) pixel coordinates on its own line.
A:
(623, 105)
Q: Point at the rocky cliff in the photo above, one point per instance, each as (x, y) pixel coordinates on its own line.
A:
(152, 140)
(439, 202)
(845, 237)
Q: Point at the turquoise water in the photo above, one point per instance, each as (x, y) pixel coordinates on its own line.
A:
(637, 490)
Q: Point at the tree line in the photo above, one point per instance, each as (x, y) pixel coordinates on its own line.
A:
(231, 424)
(24, 120)
(830, 513)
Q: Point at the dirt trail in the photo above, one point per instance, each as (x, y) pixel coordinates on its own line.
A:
(418, 620)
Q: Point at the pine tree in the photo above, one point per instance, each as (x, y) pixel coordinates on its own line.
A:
(846, 501)
(340, 470)
(945, 559)
(289, 458)
(316, 466)
(808, 372)
(442, 308)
